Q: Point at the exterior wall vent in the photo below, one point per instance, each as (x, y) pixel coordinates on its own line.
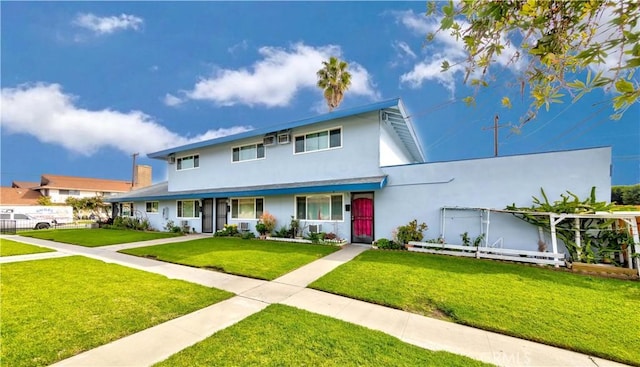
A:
(244, 226)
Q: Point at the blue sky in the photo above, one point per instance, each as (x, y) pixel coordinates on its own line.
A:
(86, 84)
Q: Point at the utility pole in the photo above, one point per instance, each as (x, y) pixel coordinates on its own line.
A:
(495, 128)
(133, 172)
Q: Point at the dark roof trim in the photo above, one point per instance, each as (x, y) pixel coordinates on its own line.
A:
(163, 154)
(374, 184)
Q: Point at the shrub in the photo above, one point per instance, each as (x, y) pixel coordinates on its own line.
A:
(410, 232)
(229, 230)
(136, 224)
(248, 235)
(269, 222)
(387, 244)
(330, 236)
(261, 228)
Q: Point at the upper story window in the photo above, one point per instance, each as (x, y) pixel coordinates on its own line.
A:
(248, 152)
(69, 192)
(320, 140)
(188, 162)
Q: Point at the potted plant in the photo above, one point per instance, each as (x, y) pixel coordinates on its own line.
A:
(266, 224)
(262, 229)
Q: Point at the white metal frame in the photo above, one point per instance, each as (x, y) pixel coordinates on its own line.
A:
(554, 220)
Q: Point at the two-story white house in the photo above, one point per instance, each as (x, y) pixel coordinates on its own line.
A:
(358, 173)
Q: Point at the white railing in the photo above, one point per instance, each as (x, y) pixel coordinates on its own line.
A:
(481, 252)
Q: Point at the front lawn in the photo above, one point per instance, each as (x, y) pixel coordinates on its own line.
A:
(286, 336)
(96, 237)
(253, 258)
(595, 316)
(53, 309)
(12, 248)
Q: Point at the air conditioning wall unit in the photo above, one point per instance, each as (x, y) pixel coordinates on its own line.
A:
(269, 140)
(284, 138)
(315, 228)
(171, 159)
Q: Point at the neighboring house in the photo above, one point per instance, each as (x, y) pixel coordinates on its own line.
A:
(18, 196)
(58, 188)
(358, 173)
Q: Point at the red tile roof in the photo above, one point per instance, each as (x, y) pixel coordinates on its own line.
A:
(84, 183)
(18, 196)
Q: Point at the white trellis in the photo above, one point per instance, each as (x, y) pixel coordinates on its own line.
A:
(489, 250)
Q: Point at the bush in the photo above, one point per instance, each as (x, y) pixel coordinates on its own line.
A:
(386, 244)
(229, 230)
(135, 224)
(410, 232)
(283, 232)
(269, 222)
(626, 195)
(248, 235)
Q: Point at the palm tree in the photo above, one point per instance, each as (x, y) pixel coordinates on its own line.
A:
(334, 80)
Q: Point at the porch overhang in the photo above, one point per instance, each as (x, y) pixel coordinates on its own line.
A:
(161, 191)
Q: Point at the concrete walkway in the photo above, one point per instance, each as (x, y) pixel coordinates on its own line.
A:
(157, 343)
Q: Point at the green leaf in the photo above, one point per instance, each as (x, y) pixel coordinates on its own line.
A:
(624, 86)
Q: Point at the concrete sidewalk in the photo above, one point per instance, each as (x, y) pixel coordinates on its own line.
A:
(157, 343)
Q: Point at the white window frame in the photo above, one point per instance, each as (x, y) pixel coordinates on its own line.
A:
(255, 147)
(131, 209)
(329, 147)
(180, 211)
(156, 207)
(256, 213)
(185, 157)
(306, 207)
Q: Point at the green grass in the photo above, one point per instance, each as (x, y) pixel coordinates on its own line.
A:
(95, 237)
(252, 258)
(286, 336)
(53, 309)
(595, 316)
(12, 248)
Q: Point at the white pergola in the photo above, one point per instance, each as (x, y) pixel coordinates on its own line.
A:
(629, 218)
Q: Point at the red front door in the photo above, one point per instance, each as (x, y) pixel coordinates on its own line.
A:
(362, 218)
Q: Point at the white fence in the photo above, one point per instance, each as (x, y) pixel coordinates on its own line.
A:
(480, 252)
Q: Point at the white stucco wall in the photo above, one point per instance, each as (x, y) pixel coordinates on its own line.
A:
(358, 157)
(419, 191)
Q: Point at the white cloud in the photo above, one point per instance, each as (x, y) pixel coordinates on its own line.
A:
(274, 80)
(444, 47)
(107, 25)
(171, 100)
(406, 50)
(45, 112)
(238, 46)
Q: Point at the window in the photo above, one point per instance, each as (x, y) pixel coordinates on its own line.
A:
(5, 216)
(188, 209)
(321, 140)
(319, 207)
(69, 192)
(248, 152)
(126, 209)
(188, 162)
(247, 208)
(152, 206)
